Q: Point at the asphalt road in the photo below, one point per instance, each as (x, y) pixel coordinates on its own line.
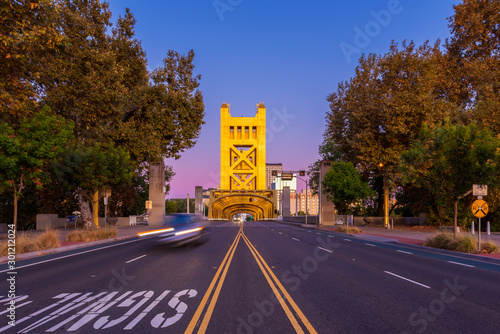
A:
(262, 277)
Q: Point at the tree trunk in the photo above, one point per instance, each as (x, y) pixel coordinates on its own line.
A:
(15, 210)
(455, 218)
(95, 208)
(85, 212)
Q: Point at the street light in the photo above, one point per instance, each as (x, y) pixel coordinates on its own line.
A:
(386, 197)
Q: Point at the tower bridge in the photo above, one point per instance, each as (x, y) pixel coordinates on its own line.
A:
(243, 168)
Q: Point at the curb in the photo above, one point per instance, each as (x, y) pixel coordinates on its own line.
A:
(24, 256)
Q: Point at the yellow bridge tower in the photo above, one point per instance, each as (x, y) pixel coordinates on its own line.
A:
(243, 168)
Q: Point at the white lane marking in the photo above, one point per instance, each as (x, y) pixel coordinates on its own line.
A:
(347, 239)
(370, 245)
(280, 233)
(137, 258)
(295, 239)
(397, 250)
(407, 279)
(462, 264)
(318, 233)
(65, 256)
(326, 250)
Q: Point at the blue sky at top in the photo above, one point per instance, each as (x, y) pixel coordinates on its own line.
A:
(285, 53)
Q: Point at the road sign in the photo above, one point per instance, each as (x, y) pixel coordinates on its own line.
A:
(480, 208)
(479, 190)
(287, 176)
(149, 205)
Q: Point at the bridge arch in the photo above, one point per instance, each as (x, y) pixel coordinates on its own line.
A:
(223, 204)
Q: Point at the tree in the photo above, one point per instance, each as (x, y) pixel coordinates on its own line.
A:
(328, 150)
(91, 170)
(29, 39)
(343, 186)
(474, 59)
(24, 152)
(449, 159)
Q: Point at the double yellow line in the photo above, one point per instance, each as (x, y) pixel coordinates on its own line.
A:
(283, 297)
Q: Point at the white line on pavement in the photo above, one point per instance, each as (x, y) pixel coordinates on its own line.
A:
(326, 250)
(295, 239)
(370, 245)
(407, 279)
(461, 264)
(280, 233)
(65, 256)
(397, 250)
(137, 258)
(347, 239)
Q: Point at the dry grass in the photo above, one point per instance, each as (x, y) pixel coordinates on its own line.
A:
(92, 235)
(460, 242)
(348, 229)
(27, 244)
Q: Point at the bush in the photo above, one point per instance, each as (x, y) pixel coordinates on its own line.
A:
(348, 229)
(27, 244)
(460, 242)
(91, 235)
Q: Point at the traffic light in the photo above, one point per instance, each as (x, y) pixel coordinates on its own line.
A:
(302, 172)
(274, 173)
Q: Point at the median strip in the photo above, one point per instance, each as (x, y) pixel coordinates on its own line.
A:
(276, 285)
(220, 276)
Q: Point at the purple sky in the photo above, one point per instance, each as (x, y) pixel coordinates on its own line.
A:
(288, 54)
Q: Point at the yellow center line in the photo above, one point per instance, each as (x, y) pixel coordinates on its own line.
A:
(224, 265)
(289, 314)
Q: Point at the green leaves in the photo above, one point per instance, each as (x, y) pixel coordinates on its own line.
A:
(94, 168)
(343, 186)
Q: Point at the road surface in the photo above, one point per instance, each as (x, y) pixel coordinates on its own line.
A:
(256, 277)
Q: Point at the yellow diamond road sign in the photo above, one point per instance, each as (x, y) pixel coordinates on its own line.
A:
(479, 208)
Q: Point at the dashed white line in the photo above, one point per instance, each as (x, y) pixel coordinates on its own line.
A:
(407, 279)
(370, 245)
(318, 233)
(397, 250)
(137, 258)
(326, 250)
(462, 264)
(347, 239)
(295, 239)
(69, 255)
(280, 233)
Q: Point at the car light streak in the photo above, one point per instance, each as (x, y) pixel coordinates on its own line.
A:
(189, 231)
(142, 234)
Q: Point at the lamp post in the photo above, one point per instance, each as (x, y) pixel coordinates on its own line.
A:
(386, 197)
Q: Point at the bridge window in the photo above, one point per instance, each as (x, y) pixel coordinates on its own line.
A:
(247, 132)
(238, 134)
(254, 132)
(231, 132)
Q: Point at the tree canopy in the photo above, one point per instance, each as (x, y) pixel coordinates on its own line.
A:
(343, 186)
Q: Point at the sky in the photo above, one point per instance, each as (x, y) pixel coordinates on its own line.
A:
(288, 54)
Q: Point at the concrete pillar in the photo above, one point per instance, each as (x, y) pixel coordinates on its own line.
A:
(187, 203)
(326, 208)
(198, 200)
(286, 202)
(157, 193)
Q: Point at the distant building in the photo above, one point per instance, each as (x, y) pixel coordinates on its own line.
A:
(312, 202)
(270, 167)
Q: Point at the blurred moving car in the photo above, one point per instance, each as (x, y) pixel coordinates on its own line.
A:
(180, 229)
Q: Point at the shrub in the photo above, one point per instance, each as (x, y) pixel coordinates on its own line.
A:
(460, 242)
(27, 244)
(91, 235)
(347, 229)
